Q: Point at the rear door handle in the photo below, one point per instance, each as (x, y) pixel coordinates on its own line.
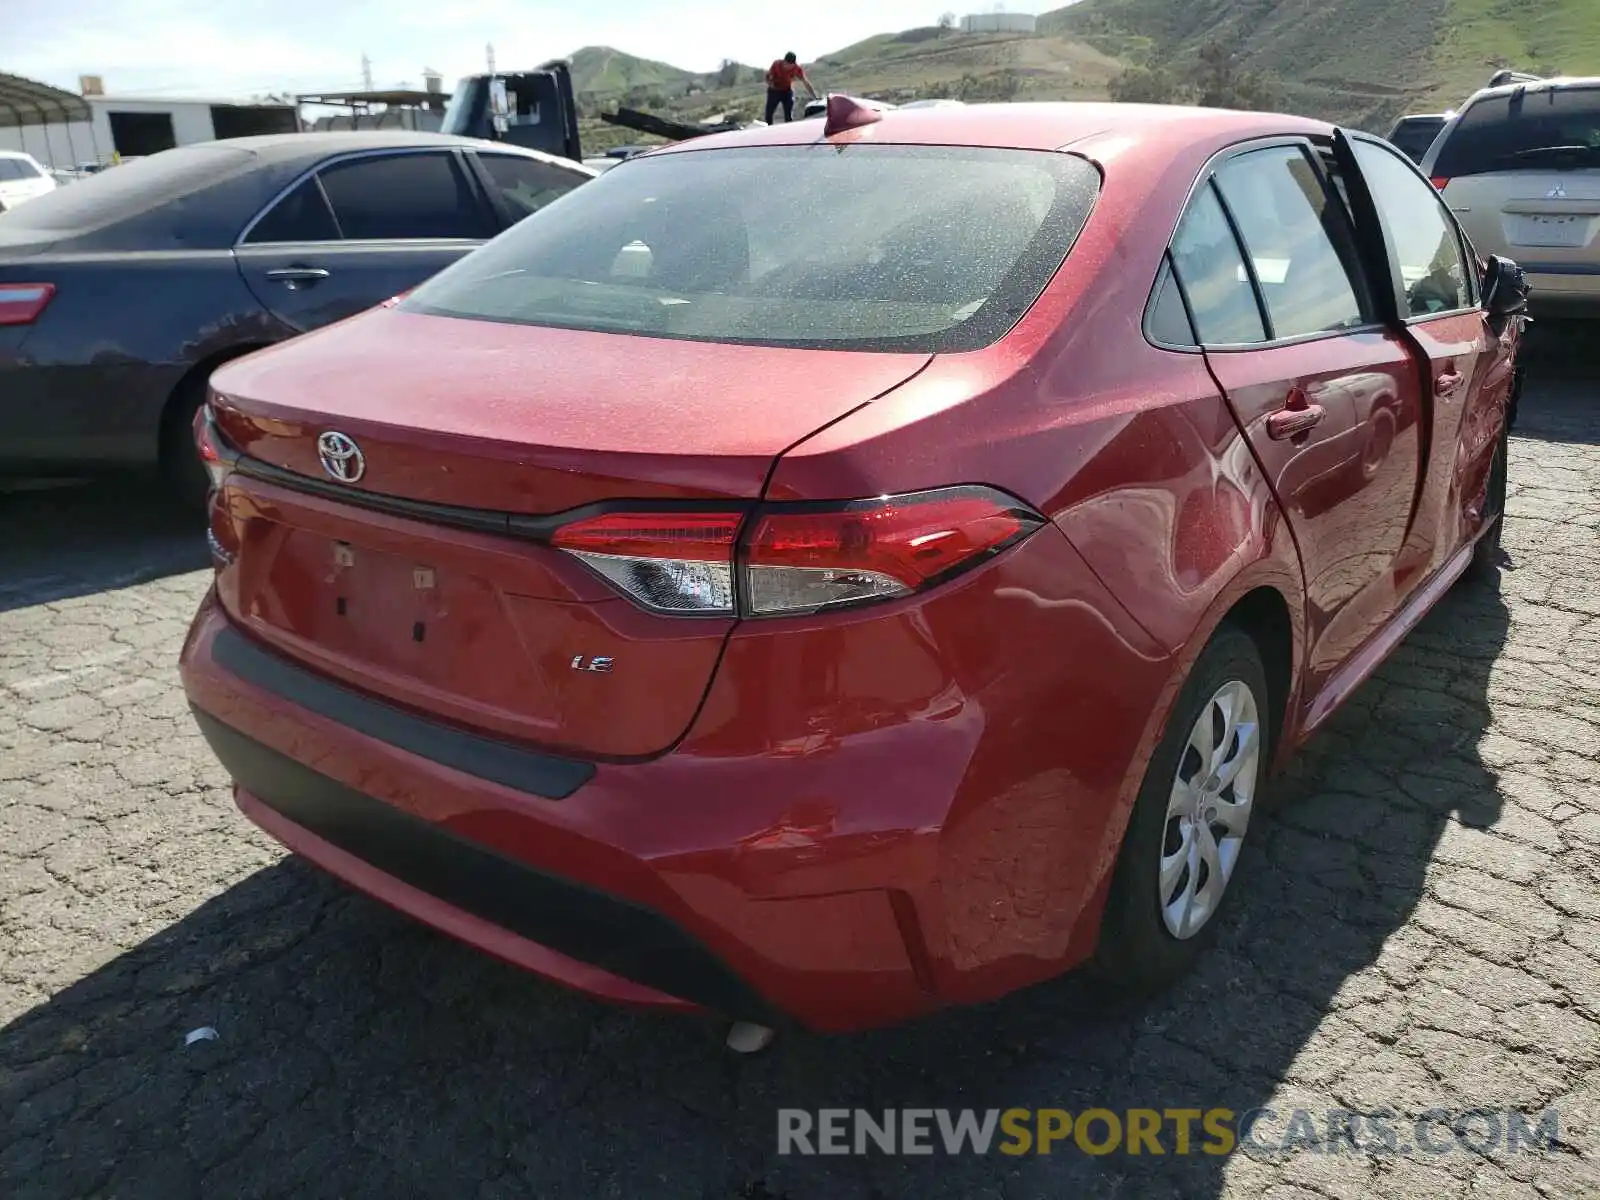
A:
(1297, 416)
(297, 276)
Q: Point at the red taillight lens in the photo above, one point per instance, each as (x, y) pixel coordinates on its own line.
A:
(677, 562)
(800, 561)
(1440, 181)
(797, 558)
(215, 455)
(21, 303)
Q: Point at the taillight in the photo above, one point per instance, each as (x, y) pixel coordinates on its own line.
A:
(221, 536)
(216, 456)
(21, 303)
(800, 561)
(797, 558)
(677, 562)
(1440, 181)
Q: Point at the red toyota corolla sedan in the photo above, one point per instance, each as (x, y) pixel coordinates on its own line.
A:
(844, 569)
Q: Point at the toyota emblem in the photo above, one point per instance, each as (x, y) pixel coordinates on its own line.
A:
(341, 457)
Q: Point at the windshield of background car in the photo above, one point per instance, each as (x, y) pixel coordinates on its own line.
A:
(861, 247)
(129, 188)
(1531, 130)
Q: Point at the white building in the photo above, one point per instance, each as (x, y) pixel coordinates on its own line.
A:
(63, 129)
(1000, 22)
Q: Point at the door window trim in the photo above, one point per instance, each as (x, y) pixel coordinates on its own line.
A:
(1206, 179)
(315, 170)
(1464, 247)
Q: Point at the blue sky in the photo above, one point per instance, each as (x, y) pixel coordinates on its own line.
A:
(202, 47)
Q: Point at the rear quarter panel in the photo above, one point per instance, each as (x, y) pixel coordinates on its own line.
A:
(1168, 522)
(88, 381)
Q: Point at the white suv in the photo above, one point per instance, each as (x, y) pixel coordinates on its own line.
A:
(22, 178)
(1520, 166)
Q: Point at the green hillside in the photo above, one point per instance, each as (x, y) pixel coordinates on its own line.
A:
(603, 71)
(1360, 61)
(916, 63)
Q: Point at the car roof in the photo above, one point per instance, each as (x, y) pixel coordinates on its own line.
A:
(1534, 87)
(1154, 129)
(189, 204)
(271, 148)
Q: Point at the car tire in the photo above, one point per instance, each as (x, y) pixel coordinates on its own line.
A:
(181, 473)
(1140, 951)
(1486, 553)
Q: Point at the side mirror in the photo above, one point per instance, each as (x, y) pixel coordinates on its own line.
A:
(1505, 290)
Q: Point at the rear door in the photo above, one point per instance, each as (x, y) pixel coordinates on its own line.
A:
(1327, 395)
(1522, 173)
(361, 229)
(1468, 372)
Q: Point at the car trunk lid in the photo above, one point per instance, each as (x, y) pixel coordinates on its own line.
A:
(411, 582)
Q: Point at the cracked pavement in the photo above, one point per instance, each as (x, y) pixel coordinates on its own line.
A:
(1420, 928)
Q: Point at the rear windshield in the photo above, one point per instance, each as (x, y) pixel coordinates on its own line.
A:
(859, 247)
(130, 188)
(1556, 128)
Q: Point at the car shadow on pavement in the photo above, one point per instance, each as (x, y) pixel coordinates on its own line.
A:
(1562, 359)
(59, 542)
(358, 1054)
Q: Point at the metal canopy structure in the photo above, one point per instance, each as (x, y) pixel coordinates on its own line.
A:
(395, 96)
(28, 102)
(373, 105)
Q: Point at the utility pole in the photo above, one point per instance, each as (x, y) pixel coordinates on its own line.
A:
(366, 73)
(488, 54)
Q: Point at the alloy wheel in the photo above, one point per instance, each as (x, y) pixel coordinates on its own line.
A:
(1209, 809)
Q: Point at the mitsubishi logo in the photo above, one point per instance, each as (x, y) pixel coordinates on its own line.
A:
(1556, 193)
(341, 457)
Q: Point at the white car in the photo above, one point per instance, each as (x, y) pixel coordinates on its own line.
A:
(22, 178)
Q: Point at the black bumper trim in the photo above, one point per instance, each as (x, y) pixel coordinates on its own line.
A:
(627, 939)
(499, 762)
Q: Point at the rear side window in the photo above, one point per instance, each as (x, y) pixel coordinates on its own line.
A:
(862, 246)
(1206, 257)
(1299, 245)
(404, 196)
(526, 184)
(1168, 323)
(1525, 130)
(8, 170)
(1423, 244)
(21, 168)
(301, 216)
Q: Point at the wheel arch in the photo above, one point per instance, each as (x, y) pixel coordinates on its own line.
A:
(1263, 614)
(174, 408)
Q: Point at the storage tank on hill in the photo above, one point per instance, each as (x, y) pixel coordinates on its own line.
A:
(999, 22)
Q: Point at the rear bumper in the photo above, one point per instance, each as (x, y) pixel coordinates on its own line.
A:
(469, 890)
(589, 890)
(1564, 289)
(873, 815)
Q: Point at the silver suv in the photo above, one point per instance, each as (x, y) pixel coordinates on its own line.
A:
(1520, 167)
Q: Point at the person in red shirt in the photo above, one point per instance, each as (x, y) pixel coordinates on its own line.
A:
(780, 86)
